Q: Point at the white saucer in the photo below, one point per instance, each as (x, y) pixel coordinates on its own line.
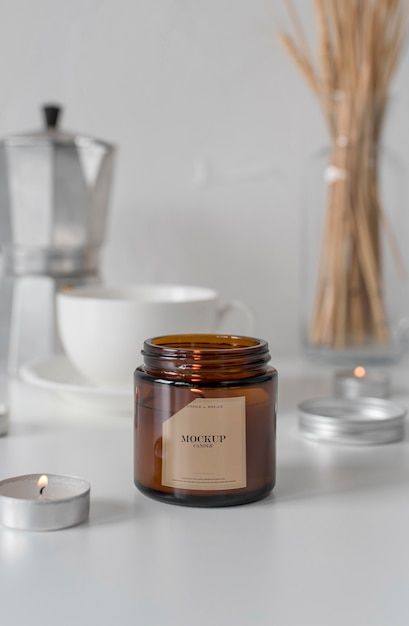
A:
(57, 374)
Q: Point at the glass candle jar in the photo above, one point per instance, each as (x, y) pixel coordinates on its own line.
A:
(205, 420)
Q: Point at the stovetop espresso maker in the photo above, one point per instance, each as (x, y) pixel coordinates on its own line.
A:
(54, 198)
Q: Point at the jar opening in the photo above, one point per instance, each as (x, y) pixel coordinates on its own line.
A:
(188, 356)
(190, 343)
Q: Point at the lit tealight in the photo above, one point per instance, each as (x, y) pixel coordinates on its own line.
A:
(359, 382)
(43, 502)
(360, 372)
(42, 483)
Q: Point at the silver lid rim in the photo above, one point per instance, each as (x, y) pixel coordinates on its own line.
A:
(329, 419)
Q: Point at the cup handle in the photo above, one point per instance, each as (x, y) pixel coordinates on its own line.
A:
(236, 305)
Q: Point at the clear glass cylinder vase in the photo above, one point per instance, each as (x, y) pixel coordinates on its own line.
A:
(354, 256)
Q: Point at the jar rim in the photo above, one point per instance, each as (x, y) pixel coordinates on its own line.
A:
(204, 357)
(204, 344)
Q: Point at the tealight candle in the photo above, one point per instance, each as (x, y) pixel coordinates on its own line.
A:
(43, 502)
(361, 382)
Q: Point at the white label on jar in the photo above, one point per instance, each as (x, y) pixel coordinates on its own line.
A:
(204, 445)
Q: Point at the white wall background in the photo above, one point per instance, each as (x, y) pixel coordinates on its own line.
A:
(183, 86)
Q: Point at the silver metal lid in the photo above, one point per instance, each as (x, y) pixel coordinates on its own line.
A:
(355, 421)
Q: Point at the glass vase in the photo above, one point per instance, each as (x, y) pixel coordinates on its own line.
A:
(354, 253)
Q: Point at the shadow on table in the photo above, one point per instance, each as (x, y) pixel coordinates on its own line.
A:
(399, 393)
(293, 390)
(105, 511)
(336, 469)
(24, 429)
(302, 482)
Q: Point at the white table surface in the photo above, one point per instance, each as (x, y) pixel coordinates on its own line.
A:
(329, 548)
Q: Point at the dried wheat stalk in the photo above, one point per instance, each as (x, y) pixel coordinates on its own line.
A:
(359, 45)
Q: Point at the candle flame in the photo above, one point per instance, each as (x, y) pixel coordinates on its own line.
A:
(42, 483)
(360, 372)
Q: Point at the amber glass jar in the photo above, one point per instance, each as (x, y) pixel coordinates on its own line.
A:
(205, 418)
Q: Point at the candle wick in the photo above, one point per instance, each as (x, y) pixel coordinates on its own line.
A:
(41, 490)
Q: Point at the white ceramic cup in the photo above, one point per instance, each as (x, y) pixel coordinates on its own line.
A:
(102, 329)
